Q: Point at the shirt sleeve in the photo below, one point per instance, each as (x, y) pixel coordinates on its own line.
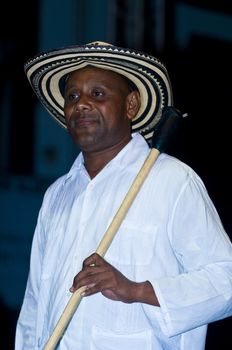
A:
(202, 292)
(26, 327)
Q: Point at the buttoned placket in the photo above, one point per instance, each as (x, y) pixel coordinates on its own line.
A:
(86, 209)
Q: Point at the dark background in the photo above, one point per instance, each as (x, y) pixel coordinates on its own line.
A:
(200, 71)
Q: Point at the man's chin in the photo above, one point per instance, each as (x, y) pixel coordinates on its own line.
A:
(84, 141)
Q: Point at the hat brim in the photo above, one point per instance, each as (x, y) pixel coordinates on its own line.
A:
(46, 72)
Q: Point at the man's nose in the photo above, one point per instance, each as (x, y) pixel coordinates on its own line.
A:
(83, 103)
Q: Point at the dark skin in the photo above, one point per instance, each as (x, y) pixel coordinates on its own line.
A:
(98, 109)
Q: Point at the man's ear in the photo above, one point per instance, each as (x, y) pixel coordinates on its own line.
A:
(133, 104)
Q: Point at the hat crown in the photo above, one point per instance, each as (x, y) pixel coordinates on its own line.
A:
(99, 43)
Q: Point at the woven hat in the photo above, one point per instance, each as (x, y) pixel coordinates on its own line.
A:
(46, 73)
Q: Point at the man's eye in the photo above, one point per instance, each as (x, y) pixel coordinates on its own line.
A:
(97, 93)
(73, 96)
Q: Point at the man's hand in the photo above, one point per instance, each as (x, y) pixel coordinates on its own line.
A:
(97, 275)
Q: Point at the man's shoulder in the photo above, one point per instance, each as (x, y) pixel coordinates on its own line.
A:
(55, 187)
(174, 168)
(169, 161)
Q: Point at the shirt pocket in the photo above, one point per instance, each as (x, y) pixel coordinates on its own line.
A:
(105, 340)
(133, 244)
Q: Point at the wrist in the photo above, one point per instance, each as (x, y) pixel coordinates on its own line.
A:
(144, 293)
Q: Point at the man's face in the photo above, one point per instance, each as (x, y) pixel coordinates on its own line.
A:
(97, 108)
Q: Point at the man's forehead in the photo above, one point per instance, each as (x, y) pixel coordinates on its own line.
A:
(102, 74)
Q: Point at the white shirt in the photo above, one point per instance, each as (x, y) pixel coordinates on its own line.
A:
(171, 236)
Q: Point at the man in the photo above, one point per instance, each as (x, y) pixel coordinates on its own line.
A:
(168, 271)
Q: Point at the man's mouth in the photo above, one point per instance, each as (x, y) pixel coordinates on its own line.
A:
(82, 122)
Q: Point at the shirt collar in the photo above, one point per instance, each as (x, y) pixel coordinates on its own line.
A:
(126, 157)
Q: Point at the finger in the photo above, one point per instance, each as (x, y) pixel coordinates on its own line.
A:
(92, 288)
(90, 284)
(102, 281)
(94, 260)
(86, 271)
(89, 290)
(93, 283)
(85, 277)
(84, 282)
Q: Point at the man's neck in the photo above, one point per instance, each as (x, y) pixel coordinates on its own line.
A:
(95, 161)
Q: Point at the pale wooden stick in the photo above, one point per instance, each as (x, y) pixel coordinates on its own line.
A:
(103, 246)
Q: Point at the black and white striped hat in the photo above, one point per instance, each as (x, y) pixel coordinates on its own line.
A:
(46, 73)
